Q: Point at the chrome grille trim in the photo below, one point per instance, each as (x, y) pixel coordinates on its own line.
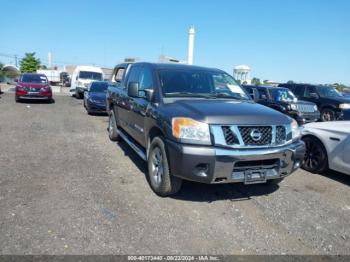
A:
(219, 137)
(305, 108)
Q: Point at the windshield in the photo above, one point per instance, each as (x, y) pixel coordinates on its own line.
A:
(90, 75)
(39, 79)
(98, 87)
(282, 94)
(199, 83)
(328, 91)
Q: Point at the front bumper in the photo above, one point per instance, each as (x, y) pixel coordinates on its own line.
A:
(34, 97)
(96, 108)
(304, 118)
(222, 165)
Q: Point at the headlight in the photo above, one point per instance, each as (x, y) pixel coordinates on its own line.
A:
(293, 106)
(315, 107)
(80, 83)
(188, 130)
(344, 106)
(296, 130)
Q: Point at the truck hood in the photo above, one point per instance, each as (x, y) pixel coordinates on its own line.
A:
(100, 96)
(223, 111)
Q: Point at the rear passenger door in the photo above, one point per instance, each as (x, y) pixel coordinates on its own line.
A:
(308, 90)
(125, 103)
(140, 104)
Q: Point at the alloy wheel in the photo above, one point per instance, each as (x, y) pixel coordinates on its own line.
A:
(157, 167)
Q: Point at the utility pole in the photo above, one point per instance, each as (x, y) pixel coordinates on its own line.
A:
(16, 61)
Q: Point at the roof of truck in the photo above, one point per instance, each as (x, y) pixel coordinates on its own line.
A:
(178, 66)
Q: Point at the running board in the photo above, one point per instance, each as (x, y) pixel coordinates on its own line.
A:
(135, 147)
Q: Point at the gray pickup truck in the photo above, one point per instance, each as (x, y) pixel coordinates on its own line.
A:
(198, 124)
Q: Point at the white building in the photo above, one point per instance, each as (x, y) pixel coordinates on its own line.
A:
(242, 74)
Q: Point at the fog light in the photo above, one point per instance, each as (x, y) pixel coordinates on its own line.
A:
(297, 164)
(201, 170)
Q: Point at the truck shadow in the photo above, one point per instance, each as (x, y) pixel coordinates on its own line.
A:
(197, 192)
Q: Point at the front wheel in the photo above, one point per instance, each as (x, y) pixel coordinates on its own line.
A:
(328, 115)
(160, 179)
(112, 128)
(315, 159)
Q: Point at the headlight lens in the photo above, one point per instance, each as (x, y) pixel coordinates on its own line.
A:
(296, 130)
(293, 106)
(344, 106)
(315, 107)
(188, 130)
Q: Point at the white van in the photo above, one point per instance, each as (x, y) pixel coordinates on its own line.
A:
(82, 77)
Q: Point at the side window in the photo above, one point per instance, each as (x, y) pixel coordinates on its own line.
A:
(145, 78)
(262, 94)
(134, 74)
(118, 77)
(309, 90)
(298, 90)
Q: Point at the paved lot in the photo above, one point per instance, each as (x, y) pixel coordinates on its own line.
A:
(66, 189)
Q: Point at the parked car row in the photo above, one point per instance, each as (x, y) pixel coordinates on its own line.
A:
(196, 123)
(284, 101)
(328, 99)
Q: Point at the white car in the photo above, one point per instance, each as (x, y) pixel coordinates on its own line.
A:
(327, 146)
(82, 77)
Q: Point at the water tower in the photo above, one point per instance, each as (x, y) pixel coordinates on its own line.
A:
(242, 73)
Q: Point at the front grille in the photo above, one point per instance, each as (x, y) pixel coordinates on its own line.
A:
(305, 108)
(230, 137)
(280, 135)
(265, 131)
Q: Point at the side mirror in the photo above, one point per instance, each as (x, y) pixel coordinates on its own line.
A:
(133, 89)
(149, 94)
(314, 95)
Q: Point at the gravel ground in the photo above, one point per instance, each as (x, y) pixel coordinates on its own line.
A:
(66, 189)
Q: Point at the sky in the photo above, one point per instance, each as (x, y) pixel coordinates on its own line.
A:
(281, 40)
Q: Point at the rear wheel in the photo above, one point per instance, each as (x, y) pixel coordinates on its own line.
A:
(112, 128)
(328, 115)
(78, 95)
(315, 159)
(160, 179)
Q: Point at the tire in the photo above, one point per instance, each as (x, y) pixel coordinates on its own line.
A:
(17, 100)
(112, 128)
(328, 114)
(315, 160)
(160, 179)
(78, 95)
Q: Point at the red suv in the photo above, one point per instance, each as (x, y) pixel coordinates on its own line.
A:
(33, 86)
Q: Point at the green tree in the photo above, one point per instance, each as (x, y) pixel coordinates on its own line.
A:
(340, 87)
(2, 73)
(29, 63)
(256, 81)
(290, 82)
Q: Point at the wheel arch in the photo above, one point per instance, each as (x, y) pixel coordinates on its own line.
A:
(152, 133)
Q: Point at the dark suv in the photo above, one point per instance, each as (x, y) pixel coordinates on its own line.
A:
(283, 100)
(330, 102)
